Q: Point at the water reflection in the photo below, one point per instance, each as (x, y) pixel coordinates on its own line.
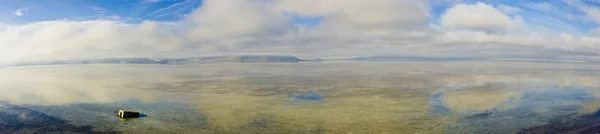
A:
(535, 107)
(16, 119)
(307, 97)
(577, 124)
(159, 117)
(438, 108)
(415, 97)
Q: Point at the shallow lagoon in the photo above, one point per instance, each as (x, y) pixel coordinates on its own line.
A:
(330, 97)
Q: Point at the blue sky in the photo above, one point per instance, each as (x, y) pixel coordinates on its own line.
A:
(132, 11)
(129, 11)
(74, 29)
(555, 17)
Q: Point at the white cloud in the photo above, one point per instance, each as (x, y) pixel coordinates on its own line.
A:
(20, 11)
(540, 44)
(244, 18)
(478, 16)
(225, 27)
(508, 9)
(87, 39)
(381, 13)
(481, 27)
(358, 13)
(595, 31)
(594, 14)
(357, 21)
(348, 28)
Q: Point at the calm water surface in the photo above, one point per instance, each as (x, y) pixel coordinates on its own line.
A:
(330, 97)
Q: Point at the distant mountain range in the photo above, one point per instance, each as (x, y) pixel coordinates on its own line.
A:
(261, 58)
(410, 58)
(177, 61)
(414, 58)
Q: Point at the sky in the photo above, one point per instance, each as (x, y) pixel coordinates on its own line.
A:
(37, 30)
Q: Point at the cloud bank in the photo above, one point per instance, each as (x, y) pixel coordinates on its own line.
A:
(346, 28)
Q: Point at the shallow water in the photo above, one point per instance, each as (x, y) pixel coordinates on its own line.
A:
(330, 97)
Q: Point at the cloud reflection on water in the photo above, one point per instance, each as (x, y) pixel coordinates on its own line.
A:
(367, 97)
(55, 85)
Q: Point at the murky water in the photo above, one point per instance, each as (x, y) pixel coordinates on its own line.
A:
(330, 97)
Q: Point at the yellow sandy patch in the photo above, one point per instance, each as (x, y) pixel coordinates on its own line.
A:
(477, 99)
(357, 114)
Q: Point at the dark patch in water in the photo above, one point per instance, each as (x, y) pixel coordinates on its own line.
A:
(511, 100)
(437, 106)
(143, 116)
(268, 124)
(584, 124)
(479, 115)
(534, 108)
(263, 121)
(559, 94)
(260, 123)
(310, 96)
(15, 119)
